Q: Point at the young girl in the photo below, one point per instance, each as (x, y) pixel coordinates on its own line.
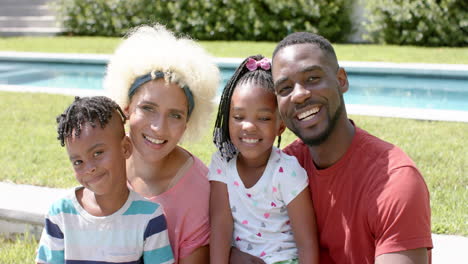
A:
(260, 201)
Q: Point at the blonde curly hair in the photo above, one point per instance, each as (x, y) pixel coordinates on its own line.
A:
(154, 48)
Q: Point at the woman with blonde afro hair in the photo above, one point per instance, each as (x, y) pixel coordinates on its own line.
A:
(166, 87)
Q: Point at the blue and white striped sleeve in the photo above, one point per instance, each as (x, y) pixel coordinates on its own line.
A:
(51, 245)
(157, 247)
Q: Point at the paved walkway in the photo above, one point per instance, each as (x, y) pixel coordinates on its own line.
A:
(27, 204)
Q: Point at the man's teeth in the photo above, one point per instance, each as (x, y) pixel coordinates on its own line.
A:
(308, 114)
(155, 141)
(249, 140)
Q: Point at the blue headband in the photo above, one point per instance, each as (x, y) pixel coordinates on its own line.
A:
(156, 75)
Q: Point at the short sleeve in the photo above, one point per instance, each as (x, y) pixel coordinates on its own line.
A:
(217, 169)
(51, 244)
(400, 219)
(292, 178)
(157, 248)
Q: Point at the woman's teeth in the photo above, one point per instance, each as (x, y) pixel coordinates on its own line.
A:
(154, 140)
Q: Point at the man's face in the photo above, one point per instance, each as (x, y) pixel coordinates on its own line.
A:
(309, 88)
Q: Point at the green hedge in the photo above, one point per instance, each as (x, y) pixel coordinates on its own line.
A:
(265, 20)
(418, 22)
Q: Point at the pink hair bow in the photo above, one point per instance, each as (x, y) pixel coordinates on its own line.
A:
(252, 64)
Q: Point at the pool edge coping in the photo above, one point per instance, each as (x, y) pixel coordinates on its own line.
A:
(104, 58)
(352, 109)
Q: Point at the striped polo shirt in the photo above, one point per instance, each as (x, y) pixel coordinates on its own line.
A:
(136, 233)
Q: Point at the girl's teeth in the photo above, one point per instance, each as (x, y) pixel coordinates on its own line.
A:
(250, 141)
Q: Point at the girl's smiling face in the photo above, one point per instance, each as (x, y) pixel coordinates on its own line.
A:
(254, 121)
(157, 116)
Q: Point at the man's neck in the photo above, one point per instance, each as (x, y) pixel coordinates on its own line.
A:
(336, 145)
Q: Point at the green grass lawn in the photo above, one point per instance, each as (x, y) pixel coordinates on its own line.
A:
(31, 154)
(347, 52)
(18, 251)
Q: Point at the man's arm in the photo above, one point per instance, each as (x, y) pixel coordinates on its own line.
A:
(401, 218)
(413, 256)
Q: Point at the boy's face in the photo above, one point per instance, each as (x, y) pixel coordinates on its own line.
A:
(98, 156)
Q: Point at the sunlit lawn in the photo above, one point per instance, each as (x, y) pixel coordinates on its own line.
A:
(347, 52)
(18, 251)
(32, 155)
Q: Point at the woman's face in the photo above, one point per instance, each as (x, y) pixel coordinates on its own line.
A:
(158, 118)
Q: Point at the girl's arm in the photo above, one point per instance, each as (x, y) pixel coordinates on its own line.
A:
(240, 257)
(222, 223)
(302, 216)
(200, 255)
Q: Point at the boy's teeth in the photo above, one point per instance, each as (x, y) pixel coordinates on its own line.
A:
(250, 141)
(308, 114)
(155, 141)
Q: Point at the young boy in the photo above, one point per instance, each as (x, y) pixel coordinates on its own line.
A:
(101, 221)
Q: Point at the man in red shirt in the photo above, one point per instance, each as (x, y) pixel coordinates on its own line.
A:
(371, 202)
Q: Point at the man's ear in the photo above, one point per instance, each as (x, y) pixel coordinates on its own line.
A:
(127, 147)
(342, 78)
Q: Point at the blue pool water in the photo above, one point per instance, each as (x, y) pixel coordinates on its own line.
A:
(426, 91)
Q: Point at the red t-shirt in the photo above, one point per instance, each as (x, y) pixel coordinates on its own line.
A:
(372, 201)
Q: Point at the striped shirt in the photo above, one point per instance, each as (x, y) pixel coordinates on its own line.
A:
(136, 233)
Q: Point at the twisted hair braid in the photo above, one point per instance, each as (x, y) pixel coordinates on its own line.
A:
(83, 110)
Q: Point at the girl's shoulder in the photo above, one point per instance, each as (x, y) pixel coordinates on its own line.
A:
(217, 160)
(282, 164)
(282, 158)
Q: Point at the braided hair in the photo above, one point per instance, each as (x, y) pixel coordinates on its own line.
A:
(242, 75)
(86, 110)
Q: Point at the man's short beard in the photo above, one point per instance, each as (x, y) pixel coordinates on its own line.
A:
(318, 140)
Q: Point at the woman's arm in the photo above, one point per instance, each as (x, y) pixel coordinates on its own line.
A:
(222, 223)
(302, 217)
(200, 255)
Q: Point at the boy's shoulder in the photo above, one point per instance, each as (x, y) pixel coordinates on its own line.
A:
(138, 205)
(64, 205)
(135, 205)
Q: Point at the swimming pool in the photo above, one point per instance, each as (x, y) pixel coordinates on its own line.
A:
(375, 88)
